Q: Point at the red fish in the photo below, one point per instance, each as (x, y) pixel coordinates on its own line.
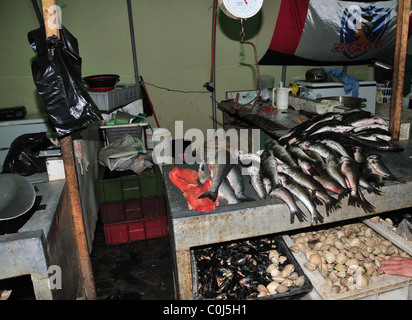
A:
(186, 181)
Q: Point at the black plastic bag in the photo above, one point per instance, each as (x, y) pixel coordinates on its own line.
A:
(57, 75)
(23, 156)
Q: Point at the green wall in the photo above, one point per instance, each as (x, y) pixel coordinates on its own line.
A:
(173, 42)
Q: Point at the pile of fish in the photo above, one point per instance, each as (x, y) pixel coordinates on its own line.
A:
(319, 162)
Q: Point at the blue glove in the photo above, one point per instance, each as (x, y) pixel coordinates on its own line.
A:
(349, 82)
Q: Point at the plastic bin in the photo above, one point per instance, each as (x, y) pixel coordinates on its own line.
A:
(135, 230)
(294, 292)
(133, 209)
(116, 186)
(379, 288)
(115, 132)
(123, 94)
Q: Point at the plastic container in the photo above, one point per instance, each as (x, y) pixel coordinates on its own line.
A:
(119, 186)
(135, 230)
(133, 209)
(383, 287)
(123, 94)
(294, 292)
(282, 98)
(115, 132)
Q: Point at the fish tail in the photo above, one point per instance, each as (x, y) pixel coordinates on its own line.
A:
(331, 206)
(211, 194)
(374, 190)
(344, 193)
(297, 213)
(244, 198)
(317, 201)
(365, 204)
(316, 217)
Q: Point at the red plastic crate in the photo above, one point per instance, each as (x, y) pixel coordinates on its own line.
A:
(133, 209)
(128, 231)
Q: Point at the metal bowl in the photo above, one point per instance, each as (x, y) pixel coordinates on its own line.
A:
(349, 102)
(17, 196)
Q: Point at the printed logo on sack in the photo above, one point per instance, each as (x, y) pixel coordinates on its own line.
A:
(362, 30)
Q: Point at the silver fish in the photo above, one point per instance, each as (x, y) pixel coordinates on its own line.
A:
(333, 168)
(225, 190)
(303, 195)
(219, 170)
(267, 184)
(280, 152)
(368, 121)
(371, 126)
(268, 166)
(338, 128)
(236, 182)
(327, 181)
(297, 153)
(352, 173)
(285, 195)
(257, 181)
(334, 145)
(320, 148)
(380, 168)
(303, 179)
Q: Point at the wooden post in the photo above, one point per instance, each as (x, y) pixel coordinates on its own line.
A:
(71, 179)
(399, 67)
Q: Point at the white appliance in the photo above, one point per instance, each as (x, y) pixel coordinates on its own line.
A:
(315, 90)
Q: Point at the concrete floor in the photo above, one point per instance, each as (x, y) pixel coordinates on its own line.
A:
(140, 270)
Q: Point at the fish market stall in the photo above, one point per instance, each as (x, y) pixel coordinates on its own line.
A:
(189, 229)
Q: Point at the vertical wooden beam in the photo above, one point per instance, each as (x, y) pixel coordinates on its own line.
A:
(399, 67)
(71, 179)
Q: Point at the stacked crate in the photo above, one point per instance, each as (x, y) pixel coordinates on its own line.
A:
(132, 207)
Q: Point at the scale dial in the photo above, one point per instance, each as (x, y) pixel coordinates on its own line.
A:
(240, 9)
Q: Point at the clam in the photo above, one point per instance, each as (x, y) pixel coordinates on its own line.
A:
(282, 259)
(287, 283)
(339, 245)
(272, 286)
(352, 262)
(293, 276)
(289, 268)
(329, 257)
(315, 259)
(309, 266)
(278, 279)
(341, 267)
(341, 258)
(299, 282)
(262, 289)
(281, 288)
(294, 249)
(362, 281)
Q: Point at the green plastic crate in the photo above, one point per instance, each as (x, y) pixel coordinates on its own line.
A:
(117, 186)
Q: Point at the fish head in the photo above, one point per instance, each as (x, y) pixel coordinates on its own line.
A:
(304, 145)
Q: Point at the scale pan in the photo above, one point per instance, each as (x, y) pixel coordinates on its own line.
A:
(17, 196)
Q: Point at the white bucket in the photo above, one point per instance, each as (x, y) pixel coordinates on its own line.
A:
(282, 98)
(162, 146)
